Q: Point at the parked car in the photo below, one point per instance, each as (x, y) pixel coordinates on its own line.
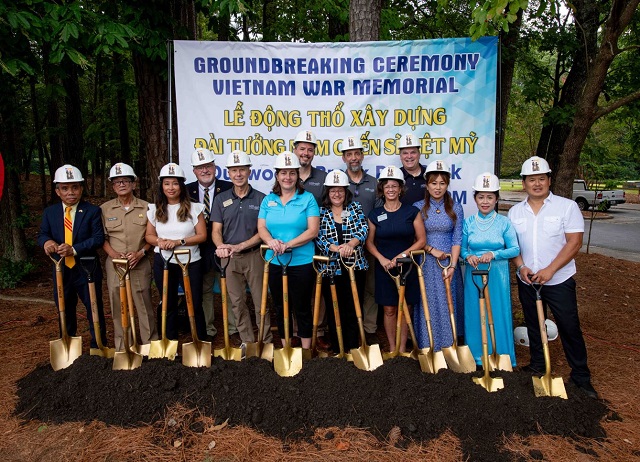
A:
(587, 198)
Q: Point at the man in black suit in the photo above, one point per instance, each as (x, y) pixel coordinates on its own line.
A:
(204, 190)
(72, 230)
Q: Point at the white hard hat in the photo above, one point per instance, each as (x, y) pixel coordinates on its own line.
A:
(238, 159)
(486, 182)
(534, 166)
(437, 166)
(552, 330)
(172, 170)
(67, 174)
(521, 336)
(351, 142)
(121, 169)
(305, 136)
(408, 141)
(286, 159)
(336, 178)
(201, 156)
(391, 173)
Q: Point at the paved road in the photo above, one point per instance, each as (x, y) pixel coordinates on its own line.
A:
(617, 237)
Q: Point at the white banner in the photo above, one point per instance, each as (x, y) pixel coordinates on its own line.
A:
(257, 96)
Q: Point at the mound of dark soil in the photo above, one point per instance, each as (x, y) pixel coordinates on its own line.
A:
(326, 393)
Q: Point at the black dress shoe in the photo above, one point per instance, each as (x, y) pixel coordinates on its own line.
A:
(587, 389)
(533, 370)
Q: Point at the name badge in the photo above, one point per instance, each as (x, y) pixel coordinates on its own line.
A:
(140, 215)
(272, 204)
(382, 217)
(112, 218)
(227, 203)
(345, 214)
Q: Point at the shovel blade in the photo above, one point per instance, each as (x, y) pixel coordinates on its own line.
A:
(489, 383)
(253, 351)
(367, 358)
(63, 353)
(287, 361)
(104, 352)
(196, 354)
(501, 362)
(143, 349)
(459, 359)
(548, 386)
(126, 361)
(230, 354)
(163, 348)
(426, 361)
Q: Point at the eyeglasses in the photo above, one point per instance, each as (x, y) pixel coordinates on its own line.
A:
(121, 182)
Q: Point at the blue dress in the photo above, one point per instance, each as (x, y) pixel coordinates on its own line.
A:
(481, 234)
(442, 234)
(394, 234)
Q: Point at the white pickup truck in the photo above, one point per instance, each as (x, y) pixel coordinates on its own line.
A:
(587, 198)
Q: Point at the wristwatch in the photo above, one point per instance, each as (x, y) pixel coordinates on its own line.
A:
(183, 242)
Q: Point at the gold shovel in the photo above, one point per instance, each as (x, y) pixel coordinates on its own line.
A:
(496, 361)
(143, 349)
(196, 353)
(88, 264)
(401, 291)
(366, 357)
(458, 357)
(430, 360)
(404, 308)
(486, 381)
(287, 361)
(228, 352)
(546, 385)
(66, 349)
(164, 348)
(127, 359)
(261, 349)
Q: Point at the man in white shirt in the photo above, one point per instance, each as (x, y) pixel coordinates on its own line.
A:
(550, 230)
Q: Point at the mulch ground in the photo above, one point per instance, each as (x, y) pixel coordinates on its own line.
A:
(330, 411)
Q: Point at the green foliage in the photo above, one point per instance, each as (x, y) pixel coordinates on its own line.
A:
(11, 273)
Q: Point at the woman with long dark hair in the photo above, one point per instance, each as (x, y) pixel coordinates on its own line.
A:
(177, 223)
(443, 219)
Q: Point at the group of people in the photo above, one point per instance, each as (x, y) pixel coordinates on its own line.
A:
(350, 216)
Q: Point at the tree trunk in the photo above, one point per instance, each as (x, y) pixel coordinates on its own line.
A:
(38, 127)
(13, 241)
(123, 122)
(364, 20)
(53, 123)
(508, 57)
(587, 110)
(269, 17)
(74, 146)
(554, 134)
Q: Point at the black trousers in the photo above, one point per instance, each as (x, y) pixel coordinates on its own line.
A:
(300, 289)
(175, 278)
(76, 286)
(346, 308)
(562, 301)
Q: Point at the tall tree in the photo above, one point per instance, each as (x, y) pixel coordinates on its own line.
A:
(364, 20)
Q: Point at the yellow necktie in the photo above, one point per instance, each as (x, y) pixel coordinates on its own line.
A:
(69, 262)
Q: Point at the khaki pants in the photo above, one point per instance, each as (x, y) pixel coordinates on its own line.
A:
(247, 269)
(141, 289)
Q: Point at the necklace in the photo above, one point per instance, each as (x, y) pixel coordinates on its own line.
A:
(484, 224)
(394, 210)
(436, 206)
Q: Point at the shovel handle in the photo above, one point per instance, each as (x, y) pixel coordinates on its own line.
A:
(225, 306)
(263, 300)
(425, 303)
(263, 253)
(59, 285)
(185, 265)
(132, 310)
(285, 306)
(356, 303)
(336, 315)
(316, 307)
(88, 264)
